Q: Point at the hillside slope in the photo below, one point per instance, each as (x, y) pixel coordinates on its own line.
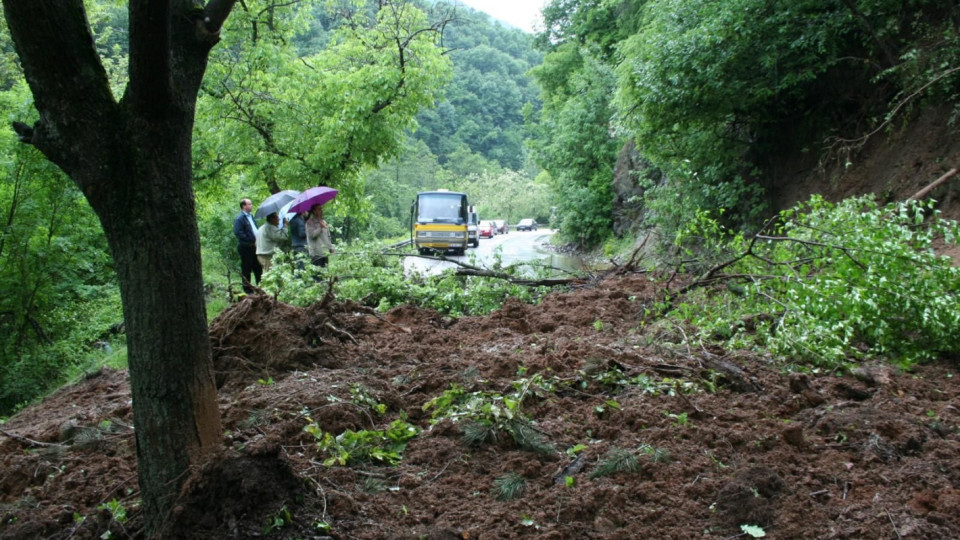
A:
(893, 164)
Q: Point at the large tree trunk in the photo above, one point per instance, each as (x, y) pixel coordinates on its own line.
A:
(132, 160)
(156, 247)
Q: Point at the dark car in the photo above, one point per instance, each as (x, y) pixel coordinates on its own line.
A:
(486, 229)
(527, 225)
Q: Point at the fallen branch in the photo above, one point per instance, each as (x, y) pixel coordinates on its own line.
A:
(632, 262)
(548, 282)
(328, 296)
(934, 185)
(466, 269)
(709, 274)
(31, 442)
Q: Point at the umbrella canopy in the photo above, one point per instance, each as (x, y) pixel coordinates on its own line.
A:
(275, 202)
(315, 195)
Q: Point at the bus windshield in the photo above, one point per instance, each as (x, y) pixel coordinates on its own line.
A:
(440, 208)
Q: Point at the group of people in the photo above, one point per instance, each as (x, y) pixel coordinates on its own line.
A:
(308, 233)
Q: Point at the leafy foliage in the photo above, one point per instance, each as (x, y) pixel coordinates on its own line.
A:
(480, 113)
(60, 298)
(839, 282)
(363, 274)
(573, 141)
(490, 415)
(385, 446)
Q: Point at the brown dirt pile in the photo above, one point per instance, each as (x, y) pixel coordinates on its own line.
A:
(870, 455)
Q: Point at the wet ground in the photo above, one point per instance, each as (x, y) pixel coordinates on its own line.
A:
(568, 420)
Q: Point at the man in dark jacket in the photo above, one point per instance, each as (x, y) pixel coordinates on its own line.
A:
(245, 229)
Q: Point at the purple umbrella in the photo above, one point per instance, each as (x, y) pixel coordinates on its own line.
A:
(312, 196)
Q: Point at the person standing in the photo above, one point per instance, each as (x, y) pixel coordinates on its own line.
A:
(245, 229)
(298, 234)
(319, 245)
(268, 238)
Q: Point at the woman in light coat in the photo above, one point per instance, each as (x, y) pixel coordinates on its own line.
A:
(319, 246)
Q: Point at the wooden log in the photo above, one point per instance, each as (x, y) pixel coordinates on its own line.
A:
(926, 191)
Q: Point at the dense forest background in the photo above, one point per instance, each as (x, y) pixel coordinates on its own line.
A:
(620, 117)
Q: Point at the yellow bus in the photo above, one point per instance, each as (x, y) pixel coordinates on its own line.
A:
(439, 220)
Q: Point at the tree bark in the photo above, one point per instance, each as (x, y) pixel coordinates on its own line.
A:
(132, 160)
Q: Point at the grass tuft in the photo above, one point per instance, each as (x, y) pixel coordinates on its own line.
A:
(509, 486)
(617, 460)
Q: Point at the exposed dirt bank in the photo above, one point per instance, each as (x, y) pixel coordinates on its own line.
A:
(708, 440)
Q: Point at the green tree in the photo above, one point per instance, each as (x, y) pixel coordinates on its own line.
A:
(507, 195)
(59, 292)
(131, 159)
(288, 122)
(574, 141)
(481, 108)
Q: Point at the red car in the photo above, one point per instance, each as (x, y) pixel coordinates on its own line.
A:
(486, 229)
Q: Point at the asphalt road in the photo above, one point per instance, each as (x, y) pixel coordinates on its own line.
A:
(511, 248)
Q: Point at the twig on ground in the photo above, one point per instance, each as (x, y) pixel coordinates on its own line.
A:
(341, 333)
(31, 442)
(632, 261)
(697, 411)
(892, 523)
(328, 296)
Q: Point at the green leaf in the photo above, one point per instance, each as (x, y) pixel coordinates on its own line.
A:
(753, 530)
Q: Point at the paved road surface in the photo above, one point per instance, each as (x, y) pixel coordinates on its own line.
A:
(513, 247)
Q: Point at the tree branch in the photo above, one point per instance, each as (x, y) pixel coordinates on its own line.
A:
(926, 191)
(57, 51)
(215, 14)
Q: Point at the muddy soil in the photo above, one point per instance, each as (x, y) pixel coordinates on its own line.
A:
(620, 433)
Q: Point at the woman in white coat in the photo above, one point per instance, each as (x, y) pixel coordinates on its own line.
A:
(319, 246)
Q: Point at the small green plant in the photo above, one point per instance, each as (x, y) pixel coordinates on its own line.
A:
(509, 486)
(360, 395)
(361, 446)
(528, 521)
(279, 520)
(617, 460)
(657, 455)
(753, 531)
(373, 485)
(117, 511)
(716, 461)
(679, 420)
(488, 416)
(576, 449)
(598, 325)
(266, 382)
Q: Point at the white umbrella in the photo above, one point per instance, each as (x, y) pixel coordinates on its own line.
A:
(276, 202)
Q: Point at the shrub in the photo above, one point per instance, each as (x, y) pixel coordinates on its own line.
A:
(837, 282)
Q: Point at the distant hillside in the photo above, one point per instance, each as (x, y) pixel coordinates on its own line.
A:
(482, 112)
